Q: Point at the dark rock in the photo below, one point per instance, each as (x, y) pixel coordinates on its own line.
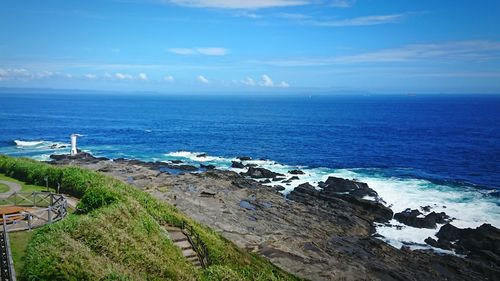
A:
(208, 167)
(259, 173)
(426, 208)
(244, 158)
(278, 179)
(184, 167)
(201, 155)
(296, 172)
(304, 189)
(266, 181)
(307, 194)
(291, 179)
(413, 218)
(431, 241)
(279, 187)
(236, 164)
(480, 243)
(176, 161)
(378, 211)
(354, 188)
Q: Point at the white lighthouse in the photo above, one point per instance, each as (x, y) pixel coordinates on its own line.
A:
(74, 151)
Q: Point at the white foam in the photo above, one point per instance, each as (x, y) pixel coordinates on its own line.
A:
(194, 156)
(27, 143)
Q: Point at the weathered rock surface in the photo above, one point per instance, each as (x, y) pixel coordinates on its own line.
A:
(236, 164)
(354, 188)
(482, 243)
(296, 172)
(317, 235)
(259, 173)
(416, 219)
(208, 167)
(244, 158)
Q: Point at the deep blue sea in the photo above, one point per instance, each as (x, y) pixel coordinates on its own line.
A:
(414, 150)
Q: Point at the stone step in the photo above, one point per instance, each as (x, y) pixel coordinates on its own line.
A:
(193, 259)
(189, 253)
(172, 229)
(183, 244)
(177, 236)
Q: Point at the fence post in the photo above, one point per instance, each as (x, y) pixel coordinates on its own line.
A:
(30, 218)
(49, 210)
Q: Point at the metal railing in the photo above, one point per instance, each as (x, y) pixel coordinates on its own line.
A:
(198, 245)
(7, 265)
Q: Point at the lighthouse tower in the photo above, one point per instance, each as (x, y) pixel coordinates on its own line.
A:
(74, 151)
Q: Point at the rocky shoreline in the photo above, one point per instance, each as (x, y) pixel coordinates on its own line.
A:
(325, 234)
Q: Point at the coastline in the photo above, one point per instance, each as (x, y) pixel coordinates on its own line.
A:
(311, 234)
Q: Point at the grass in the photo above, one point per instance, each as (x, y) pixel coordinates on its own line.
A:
(4, 188)
(118, 234)
(25, 187)
(18, 244)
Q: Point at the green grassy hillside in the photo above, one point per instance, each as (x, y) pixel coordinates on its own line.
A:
(118, 235)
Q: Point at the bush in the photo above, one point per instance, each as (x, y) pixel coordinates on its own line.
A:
(96, 197)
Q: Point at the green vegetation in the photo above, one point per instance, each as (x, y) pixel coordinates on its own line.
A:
(4, 188)
(18, 244)
(118, 235)
(25, 187)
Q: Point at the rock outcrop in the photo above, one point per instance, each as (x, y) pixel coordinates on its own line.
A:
(480, 243)
(259, 173)
(354, 188)
(416, 219)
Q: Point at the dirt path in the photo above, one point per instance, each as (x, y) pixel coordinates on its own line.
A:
(14, 187)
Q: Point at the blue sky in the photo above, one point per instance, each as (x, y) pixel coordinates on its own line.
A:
(381, 46)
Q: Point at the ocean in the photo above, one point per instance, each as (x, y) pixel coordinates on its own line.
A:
(436, 150)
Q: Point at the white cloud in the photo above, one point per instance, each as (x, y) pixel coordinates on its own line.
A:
(266, 81)
(249, 82)
(283, 84)
(359, 21)
(122, 76)
(480, 50)
(343, 3)
(90, 76)
(293, 16)
(25, 74)
(207, 51)
(238, 4)
(212, 51)
(169, 78)
(44, 74)
(182, 51)
(202, 79)
(142, 76)
(15, 73)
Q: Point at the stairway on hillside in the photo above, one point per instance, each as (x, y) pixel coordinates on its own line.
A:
(181, 240)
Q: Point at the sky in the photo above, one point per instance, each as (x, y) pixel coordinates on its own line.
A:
(378, 46)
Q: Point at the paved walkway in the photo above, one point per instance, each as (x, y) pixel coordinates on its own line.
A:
(14, 187)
